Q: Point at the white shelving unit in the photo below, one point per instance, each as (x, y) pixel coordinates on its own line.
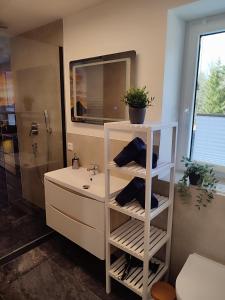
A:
(137, 236)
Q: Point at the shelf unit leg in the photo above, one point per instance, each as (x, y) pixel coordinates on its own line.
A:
(108, 285)
(108, 256)
(171, 197)
(107, 212)
(148, 188)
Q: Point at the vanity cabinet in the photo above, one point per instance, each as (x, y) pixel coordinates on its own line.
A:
(79, 218)
(78, 213)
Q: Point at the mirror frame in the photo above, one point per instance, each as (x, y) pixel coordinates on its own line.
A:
(128, 56)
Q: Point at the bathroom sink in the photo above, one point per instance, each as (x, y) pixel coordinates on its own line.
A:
(81, 181)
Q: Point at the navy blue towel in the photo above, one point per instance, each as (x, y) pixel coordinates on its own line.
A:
(129, 152)
(140, 197)
(135, 151)
(130, 191)
(141, 159)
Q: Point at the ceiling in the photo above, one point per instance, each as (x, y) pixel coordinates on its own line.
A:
(23, 15)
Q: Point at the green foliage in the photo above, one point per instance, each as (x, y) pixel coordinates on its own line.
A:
(211, 91)
(138, 98)
(206, 185)
(201, 91)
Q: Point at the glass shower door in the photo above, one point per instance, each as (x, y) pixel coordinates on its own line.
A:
(3, 187)
(31, 139)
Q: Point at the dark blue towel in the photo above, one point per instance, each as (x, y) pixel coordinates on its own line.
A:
(141, 159)
(129, 152)
(140, 197)
(135, 151)
(130, 191)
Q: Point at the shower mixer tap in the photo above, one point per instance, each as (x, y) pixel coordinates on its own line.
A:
(34, 130)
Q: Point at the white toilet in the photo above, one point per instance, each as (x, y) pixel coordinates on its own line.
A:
(201, 279)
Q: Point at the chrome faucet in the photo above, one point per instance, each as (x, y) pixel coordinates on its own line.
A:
(93, 168)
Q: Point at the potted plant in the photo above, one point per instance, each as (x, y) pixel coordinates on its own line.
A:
(201, 176)
(137, 99)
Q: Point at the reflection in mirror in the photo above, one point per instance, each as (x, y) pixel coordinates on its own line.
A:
(97, 86)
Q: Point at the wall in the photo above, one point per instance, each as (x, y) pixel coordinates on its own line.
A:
(51, 33)
(197, 231)
(90, 149)
(110, 28)
(116, 26)
(194, 231)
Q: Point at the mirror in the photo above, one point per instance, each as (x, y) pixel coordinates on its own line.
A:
(97, 86)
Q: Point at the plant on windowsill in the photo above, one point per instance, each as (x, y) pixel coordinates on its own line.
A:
(201, 176)
(137, 99)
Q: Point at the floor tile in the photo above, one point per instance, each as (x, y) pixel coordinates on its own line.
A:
(58, 269)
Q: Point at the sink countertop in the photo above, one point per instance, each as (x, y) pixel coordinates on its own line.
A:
(75, 179)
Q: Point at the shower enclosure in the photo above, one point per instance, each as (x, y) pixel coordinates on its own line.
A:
(31, 136)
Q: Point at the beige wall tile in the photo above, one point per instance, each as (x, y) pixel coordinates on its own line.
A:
(91, 149)
(197, 231)
(193, 230)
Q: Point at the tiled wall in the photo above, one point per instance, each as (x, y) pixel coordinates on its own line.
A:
(193, 230)
(197, 231)
(90, 149)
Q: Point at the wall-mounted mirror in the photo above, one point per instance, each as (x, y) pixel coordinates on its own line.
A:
(97, 86)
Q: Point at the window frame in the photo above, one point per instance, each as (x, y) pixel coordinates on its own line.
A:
(194, 31)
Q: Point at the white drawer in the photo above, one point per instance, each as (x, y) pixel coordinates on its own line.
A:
(85, 210)
(86, 237)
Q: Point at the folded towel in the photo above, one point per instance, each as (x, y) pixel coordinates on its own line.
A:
(141, 159)
(140, 197)
(130, 191)
(129, 152)
(135, 151)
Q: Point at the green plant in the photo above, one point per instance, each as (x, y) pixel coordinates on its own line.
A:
(138, 98)
(211, 92)
(206, 182)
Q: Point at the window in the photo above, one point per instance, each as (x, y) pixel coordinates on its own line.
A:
(202, 115)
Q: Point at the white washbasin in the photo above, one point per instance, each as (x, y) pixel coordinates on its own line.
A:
(76, 179)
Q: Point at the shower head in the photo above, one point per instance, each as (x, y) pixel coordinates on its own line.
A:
(3, 29)
(3, 26)
(47, 122)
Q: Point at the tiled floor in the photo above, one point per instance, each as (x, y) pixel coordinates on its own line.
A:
(57, 270)
(20, 221)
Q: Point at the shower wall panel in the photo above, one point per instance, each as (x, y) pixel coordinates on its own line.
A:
(35, 67)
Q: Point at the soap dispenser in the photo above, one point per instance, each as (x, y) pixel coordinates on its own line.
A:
(75, 162)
